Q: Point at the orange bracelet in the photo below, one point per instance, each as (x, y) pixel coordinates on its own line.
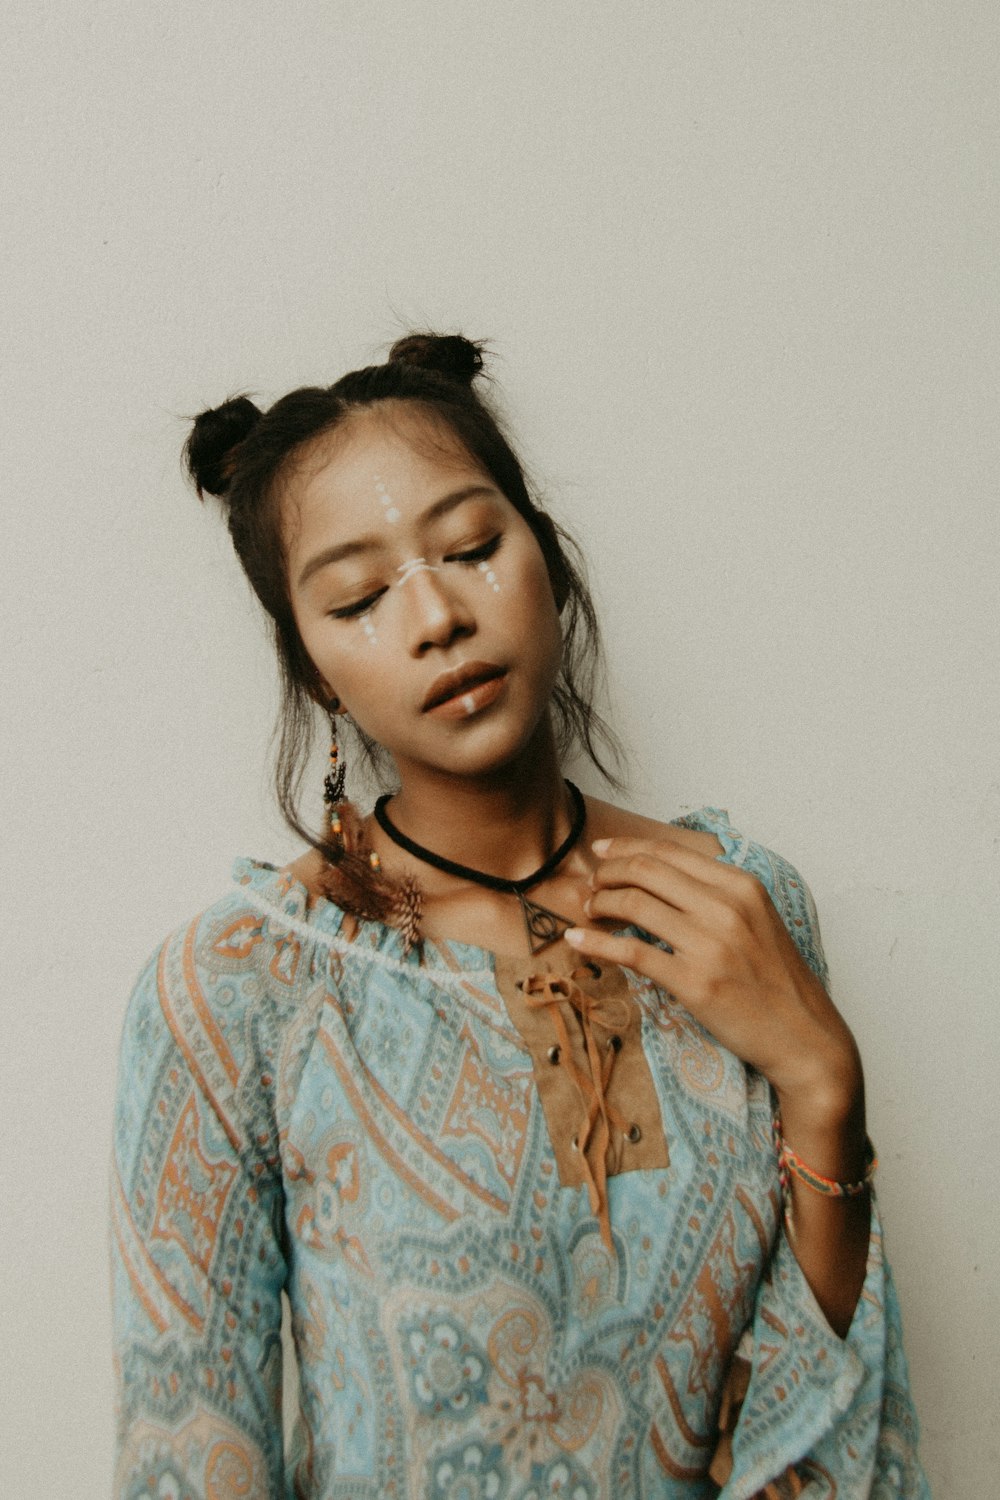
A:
(789, 1161)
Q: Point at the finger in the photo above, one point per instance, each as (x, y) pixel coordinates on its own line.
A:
(622, 847)
(637, 908)
(711, 869)
(647, 871)
(630, 952)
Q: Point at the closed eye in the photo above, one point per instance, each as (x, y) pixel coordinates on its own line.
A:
(477, 554)
(360, 607)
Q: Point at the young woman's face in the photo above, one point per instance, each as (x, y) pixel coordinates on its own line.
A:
(421, 596)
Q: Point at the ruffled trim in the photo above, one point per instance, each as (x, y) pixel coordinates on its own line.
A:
(280, 896)
(283, 899)
(716, 820)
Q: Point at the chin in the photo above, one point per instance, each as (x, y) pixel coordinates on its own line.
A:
(492, 752)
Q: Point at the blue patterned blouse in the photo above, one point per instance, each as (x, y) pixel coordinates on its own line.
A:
(413, 1149)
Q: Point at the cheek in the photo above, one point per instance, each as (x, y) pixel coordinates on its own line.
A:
(530, 585)
(347, 657)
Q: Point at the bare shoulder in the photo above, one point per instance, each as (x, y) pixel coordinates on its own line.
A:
(605, 821)
(308, 870)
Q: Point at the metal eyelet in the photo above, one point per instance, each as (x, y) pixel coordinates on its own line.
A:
(615, 1043)
(634, 1134)
(554, 1054)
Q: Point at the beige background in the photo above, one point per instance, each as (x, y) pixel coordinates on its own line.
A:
(739, 264)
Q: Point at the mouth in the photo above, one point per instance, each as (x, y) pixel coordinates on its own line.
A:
(462, 682)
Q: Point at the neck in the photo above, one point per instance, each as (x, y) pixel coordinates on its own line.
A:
(505, 824)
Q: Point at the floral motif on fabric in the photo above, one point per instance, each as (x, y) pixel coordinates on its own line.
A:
(447, 1369)
(305, 1109)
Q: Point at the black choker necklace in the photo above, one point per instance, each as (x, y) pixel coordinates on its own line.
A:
(543, 926)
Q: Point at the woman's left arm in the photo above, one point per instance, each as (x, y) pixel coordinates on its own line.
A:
(734, 966)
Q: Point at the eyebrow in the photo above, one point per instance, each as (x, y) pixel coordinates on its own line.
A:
(377, 543)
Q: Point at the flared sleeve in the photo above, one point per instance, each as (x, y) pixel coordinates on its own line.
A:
(825, 1416)
(822, 1416)
(196, 1224)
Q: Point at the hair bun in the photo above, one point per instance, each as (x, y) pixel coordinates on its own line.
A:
(215, 435)
(449, 354)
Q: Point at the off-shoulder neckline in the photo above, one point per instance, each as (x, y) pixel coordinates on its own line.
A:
(297, 906)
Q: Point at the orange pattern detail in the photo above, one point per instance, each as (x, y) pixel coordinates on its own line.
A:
(203, 1009)
(239, 939)
(477, 1094)
(183, 1042)
(427, 1146)
(169, 1291)
(192, 1192)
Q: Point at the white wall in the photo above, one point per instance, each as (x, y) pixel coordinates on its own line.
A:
(738, 263)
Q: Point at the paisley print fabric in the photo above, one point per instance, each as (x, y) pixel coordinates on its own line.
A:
(303, 1109)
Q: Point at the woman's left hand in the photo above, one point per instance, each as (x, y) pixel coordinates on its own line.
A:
(733, 964)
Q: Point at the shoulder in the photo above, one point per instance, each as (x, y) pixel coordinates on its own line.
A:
(706, 830)
(227, 1002)
(694, 830)
(709, 830)
(243, 962)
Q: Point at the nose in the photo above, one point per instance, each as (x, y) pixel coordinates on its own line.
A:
(437, 612)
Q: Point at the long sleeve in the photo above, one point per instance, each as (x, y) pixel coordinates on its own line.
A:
(822, 1416)
(825, 1416)
(196, 1236)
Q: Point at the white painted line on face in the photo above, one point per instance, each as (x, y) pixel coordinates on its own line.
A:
(415, 565)
(369, 628)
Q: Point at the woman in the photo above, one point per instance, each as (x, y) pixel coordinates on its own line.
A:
(538, 1110)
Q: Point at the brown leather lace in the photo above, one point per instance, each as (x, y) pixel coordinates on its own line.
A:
(551, 991)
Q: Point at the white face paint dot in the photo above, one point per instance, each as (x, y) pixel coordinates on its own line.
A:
(491, 577)
(496, 588)
(392, 514)
(484, 567)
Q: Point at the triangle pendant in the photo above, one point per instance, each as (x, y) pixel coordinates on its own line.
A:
(543, 925)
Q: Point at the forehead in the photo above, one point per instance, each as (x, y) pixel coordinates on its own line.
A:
(396, 446)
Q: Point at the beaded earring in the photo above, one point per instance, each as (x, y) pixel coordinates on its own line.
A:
(335, 779)
(353, 877)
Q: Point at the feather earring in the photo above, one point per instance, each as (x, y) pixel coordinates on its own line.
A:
(354, 879)
(336, 777)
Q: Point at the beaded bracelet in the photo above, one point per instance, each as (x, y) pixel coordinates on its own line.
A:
(790, 1162)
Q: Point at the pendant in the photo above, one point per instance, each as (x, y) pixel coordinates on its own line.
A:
(543, 925)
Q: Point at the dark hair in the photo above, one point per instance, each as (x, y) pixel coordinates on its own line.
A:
(243, 455)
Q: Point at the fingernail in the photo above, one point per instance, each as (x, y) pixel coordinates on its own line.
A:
(574, 936)
(600, 846)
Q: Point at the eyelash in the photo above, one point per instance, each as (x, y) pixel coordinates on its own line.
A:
(470, 559)
(477, 554)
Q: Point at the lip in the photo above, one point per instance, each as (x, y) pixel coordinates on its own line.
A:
(470, 680)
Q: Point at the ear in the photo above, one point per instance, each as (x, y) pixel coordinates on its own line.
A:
(321, 692)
